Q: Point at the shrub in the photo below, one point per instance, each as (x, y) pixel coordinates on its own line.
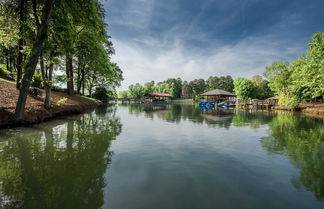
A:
(34, 92)
(37, 79)
(61, 101)
(5, 74)
(101, 94)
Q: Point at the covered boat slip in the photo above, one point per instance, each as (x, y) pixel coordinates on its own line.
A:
(157, 98)
(218, 97)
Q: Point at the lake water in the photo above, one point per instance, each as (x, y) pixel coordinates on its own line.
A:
(165, 157)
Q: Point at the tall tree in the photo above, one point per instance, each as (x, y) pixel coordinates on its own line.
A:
(244, 89)
(33, 59)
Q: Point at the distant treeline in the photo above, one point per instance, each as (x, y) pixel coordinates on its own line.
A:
(301, 80)
(193, 89)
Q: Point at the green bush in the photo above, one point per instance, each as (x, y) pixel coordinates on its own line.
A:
(5, 74)
(34, 92)
(37, 79)
(101, 94)
(61, 101)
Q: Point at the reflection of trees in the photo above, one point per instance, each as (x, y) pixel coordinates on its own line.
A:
(176, 113)
(252, 118)
(58, 166)
(302, 140)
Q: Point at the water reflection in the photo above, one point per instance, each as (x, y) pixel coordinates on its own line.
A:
(177, 113)
(59, 164)
(302, 140)
(201, 158)
(298, 137)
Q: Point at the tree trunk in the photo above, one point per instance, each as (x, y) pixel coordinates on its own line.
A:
(48, 89)
(78, 82)
(19, 62)
(20, 58)
(7, 63)
(32, 61)
(10, 64)
(69, 75)
(47, 79)
(83, 80)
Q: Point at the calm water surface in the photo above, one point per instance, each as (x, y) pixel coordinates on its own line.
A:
(165, 157)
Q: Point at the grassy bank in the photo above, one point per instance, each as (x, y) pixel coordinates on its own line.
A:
(179, 101)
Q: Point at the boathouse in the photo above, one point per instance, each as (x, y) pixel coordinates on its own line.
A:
(273, 100)
(218, 95)
(157, 97)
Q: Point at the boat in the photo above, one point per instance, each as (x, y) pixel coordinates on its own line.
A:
(228, 105)
(206, 103)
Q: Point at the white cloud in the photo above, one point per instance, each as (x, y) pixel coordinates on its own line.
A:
(149, 59)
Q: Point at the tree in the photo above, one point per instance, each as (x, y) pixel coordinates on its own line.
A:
(223, 82)
(176, 87)
(186, 90)
(303, 78)
(33, 59)
(244, 89)
(149, 87)
(136, 91)
(123, 94)
(198, 87)
(263, 90)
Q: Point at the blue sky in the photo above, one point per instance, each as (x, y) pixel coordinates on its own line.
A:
(160, 39)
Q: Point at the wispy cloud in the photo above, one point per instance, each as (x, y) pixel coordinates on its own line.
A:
(153, 60)
(156, 40)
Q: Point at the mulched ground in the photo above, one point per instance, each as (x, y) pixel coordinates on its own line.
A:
(35, 111)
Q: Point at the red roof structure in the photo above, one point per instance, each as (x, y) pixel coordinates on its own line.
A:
(158, 95)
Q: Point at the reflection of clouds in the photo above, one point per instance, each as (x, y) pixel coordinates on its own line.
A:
(216, 118)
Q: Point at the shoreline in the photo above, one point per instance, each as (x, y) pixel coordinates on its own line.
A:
(35, 111)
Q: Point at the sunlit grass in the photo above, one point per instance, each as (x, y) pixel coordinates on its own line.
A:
(7, 81)
(91, 99)
(182, 101)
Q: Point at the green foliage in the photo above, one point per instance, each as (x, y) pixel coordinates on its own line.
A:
(35, 92)
(302, 140)
(222, 82)
(101, 94)
(37, 79)
(244, 89)
(8, 81)
(136, 91)
(61, 101)
(174, 87)
(164, 87)
(303, 78)
(198, 87)
(5, 74)
(77, 31)
(262, 88)
(91, 99)
(122, 94)
(186, 90)
(35, 161)
(149, 87)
